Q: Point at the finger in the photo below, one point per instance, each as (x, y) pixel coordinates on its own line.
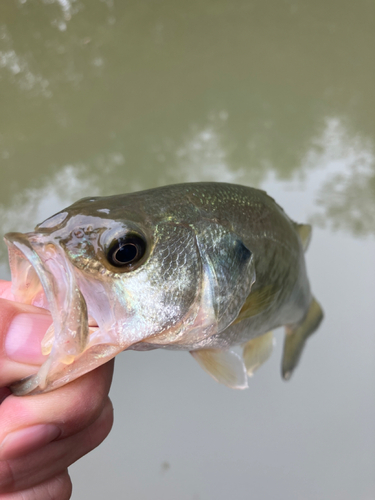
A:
(37, 467)
(29, 422)
(5, 290)
(22, 328)
(58, 487)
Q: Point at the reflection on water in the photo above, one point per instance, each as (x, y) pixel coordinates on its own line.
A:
(202, 155)
(18, 68)
(347, 198)
(131, 77)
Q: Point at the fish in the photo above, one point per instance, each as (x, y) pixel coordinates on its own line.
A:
(209, 268)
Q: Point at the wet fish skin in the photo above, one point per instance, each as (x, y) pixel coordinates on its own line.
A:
(223, 264)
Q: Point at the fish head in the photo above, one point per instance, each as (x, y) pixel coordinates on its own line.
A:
(115, 275)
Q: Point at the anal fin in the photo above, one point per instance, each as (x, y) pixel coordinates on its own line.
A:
(256, 352)
(296, 336)
(226, 367)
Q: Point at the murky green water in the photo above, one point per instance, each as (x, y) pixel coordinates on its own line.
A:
(102, 97)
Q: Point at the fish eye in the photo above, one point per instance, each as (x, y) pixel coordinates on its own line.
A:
(127, 251)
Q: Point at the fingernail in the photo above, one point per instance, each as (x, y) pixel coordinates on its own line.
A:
(26, 440)
(24, 337)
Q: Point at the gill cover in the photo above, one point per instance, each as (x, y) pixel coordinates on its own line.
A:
(223, 280)
(229, 267)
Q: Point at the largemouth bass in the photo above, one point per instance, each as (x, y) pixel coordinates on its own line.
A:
(201, 267)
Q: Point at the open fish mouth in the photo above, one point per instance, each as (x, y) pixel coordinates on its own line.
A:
(43, 277)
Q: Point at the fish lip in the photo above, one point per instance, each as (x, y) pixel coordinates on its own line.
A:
(65, 301)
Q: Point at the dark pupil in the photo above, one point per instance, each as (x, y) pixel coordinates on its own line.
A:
(126, 253)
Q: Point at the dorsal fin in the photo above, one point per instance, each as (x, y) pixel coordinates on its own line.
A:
(304, 231)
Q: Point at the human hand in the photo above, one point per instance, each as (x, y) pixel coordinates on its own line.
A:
(42, 435)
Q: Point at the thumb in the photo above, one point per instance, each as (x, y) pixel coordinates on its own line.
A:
(5, 290)
(22, 328)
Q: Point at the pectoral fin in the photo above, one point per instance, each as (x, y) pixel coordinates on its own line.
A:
(225, 367)
(257, 302)
(296, 336)
(257, 351)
